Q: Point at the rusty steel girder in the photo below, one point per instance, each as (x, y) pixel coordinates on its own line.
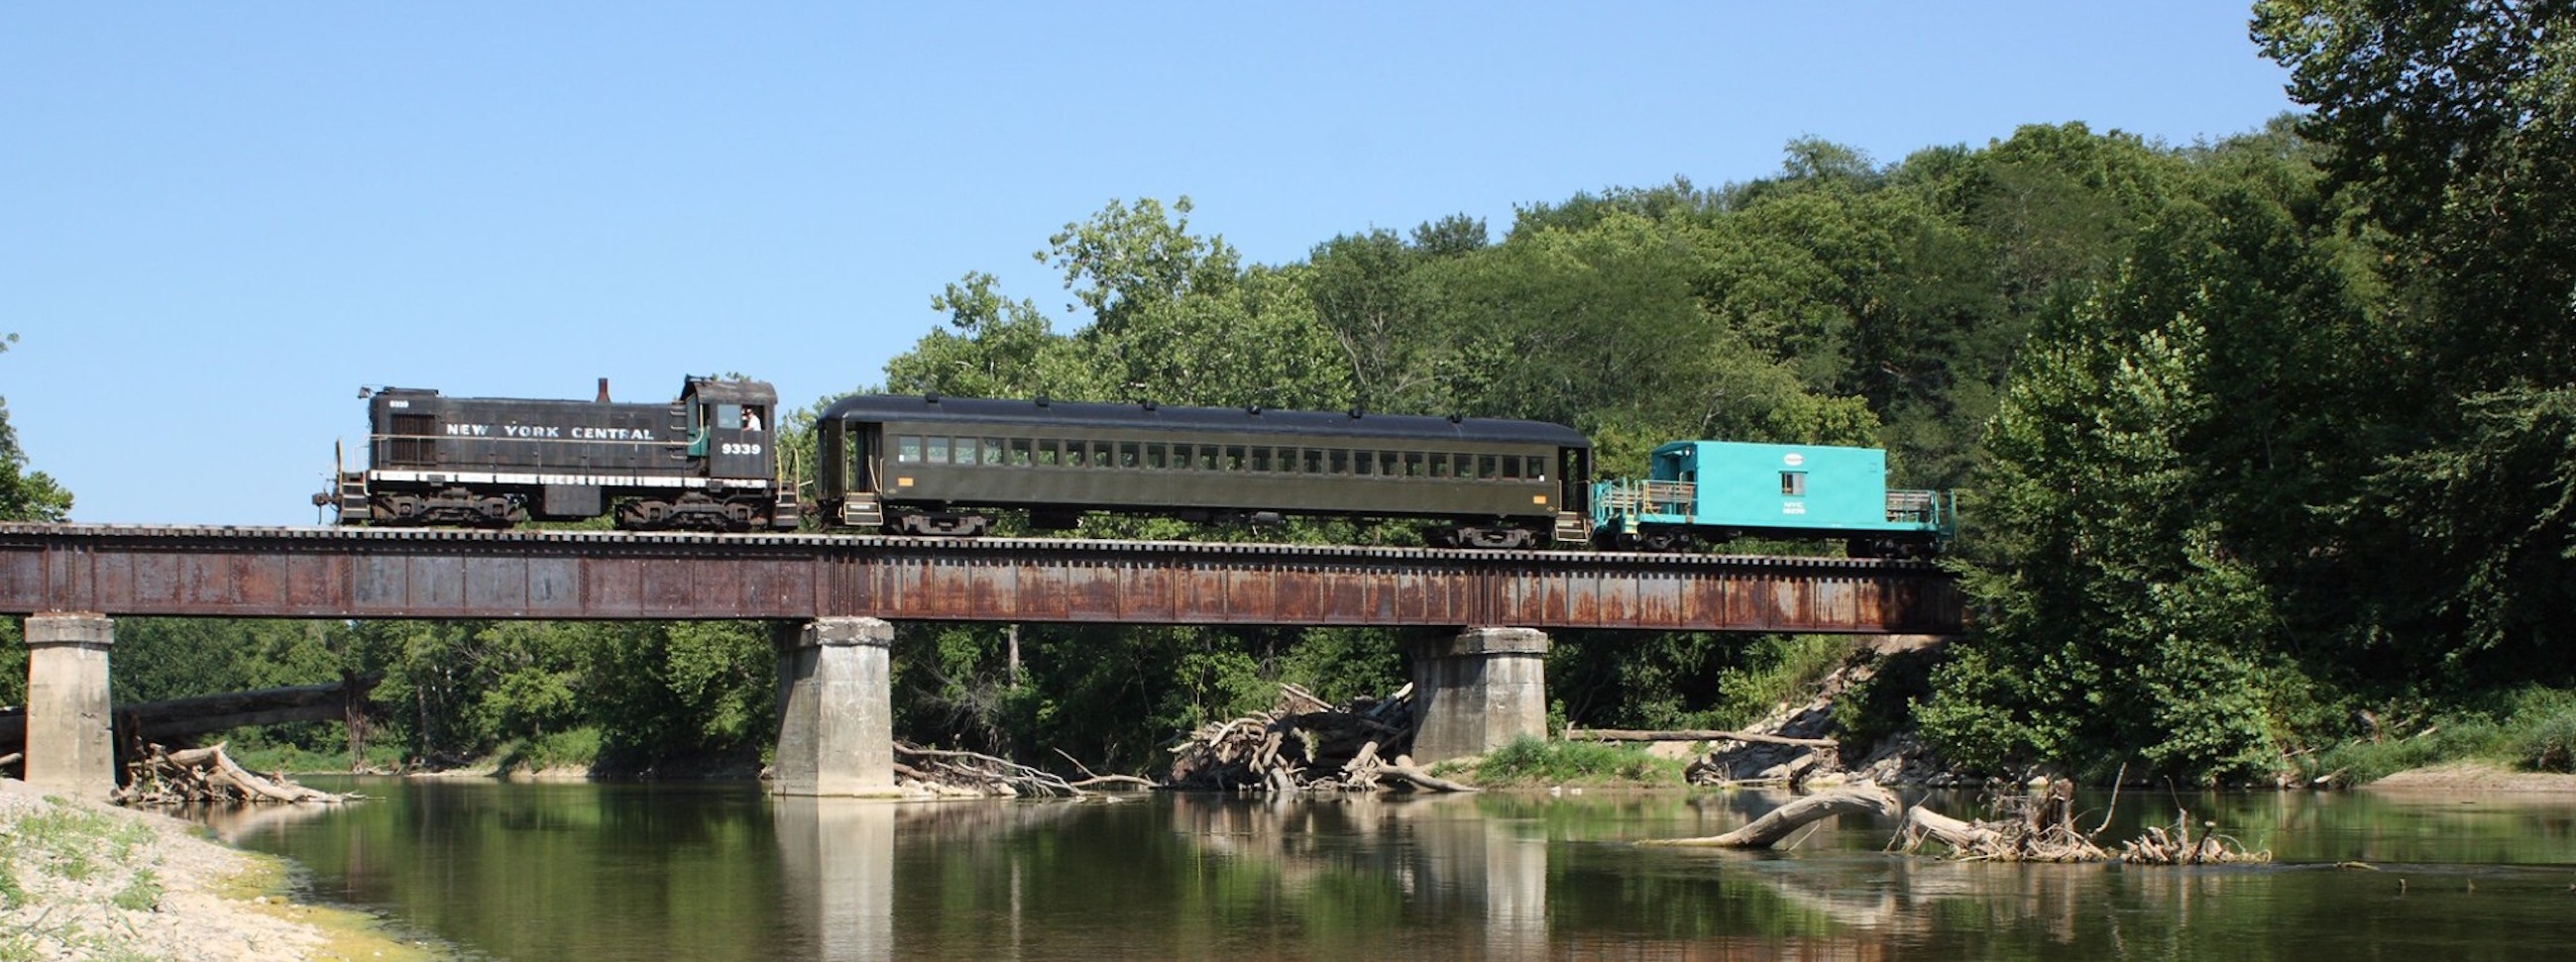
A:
(576, 575)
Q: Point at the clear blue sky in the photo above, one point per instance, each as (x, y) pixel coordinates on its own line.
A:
(217, 221)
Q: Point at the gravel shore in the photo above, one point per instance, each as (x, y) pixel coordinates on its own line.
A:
(84, 880)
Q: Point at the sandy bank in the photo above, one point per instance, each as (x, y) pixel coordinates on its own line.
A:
(2473, 777)
(81, 880)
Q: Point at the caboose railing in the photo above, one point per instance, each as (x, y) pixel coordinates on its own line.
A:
(1633, 498)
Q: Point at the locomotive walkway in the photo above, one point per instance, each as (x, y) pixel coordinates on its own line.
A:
(840, 593)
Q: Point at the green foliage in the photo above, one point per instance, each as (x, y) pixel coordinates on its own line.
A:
(1780, 670)
(25, 495)
(1533, 761)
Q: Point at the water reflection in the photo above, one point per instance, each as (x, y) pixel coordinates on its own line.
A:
(836, 868)
(586, 872)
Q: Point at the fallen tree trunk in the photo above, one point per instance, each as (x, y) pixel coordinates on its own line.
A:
(1780, 823)
(1923, 824)
(1692, 735)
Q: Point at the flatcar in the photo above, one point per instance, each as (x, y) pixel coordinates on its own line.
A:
(705, 462)
(932, 465)
(1699, 492)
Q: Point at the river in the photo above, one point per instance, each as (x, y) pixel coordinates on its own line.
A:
(534, 873)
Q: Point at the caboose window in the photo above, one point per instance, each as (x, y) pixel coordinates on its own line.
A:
(1793, 483)
(907, 449)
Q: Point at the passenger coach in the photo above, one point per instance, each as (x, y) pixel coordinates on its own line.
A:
(931, 465)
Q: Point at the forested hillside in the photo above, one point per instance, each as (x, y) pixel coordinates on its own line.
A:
(2266, 445)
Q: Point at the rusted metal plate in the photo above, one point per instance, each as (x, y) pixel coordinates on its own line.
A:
(363, 573)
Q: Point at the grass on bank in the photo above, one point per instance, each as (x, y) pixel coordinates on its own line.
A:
(1534, 762)
(2533, 730)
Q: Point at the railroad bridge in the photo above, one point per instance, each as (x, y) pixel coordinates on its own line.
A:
(836, 600)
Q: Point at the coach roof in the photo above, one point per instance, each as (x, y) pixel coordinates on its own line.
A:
(935, 408)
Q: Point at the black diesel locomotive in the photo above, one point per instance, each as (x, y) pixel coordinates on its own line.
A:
(706, 462)
(930, 465)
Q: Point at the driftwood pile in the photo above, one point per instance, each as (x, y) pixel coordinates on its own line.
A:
(2041, 828)
(938, 771)
(2161, 846)
(1307, 745)
(194, 775)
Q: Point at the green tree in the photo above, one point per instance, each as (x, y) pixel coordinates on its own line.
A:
(25, 495)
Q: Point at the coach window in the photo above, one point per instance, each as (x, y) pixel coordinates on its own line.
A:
(1312, 460)
(1440, 464)
(1233, 458)
(1793, 483)
(907, 449)
(1130, 455)
(1511, 467)
(1261, 459)
(1156, 456)
(1390, 463)
(1341, 461)
(937, 451)
(1047, 454)
(1413, 465)
(992, 450)
(1020, 456)
(1537, 468)
(964, 452)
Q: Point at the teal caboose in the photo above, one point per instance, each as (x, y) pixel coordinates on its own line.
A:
(1717, 491)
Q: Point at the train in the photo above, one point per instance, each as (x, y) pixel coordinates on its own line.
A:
(932, 466)
(705, 462)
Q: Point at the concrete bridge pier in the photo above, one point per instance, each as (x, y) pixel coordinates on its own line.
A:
(71, 740)
(1478, 691)
(836, 709)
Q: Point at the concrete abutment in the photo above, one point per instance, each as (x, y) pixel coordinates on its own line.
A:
(71, 739)
(1478, 691)
(836, 709)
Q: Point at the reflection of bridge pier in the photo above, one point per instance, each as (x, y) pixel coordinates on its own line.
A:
(836, 861)
(1469, 885)
(1500, 873)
